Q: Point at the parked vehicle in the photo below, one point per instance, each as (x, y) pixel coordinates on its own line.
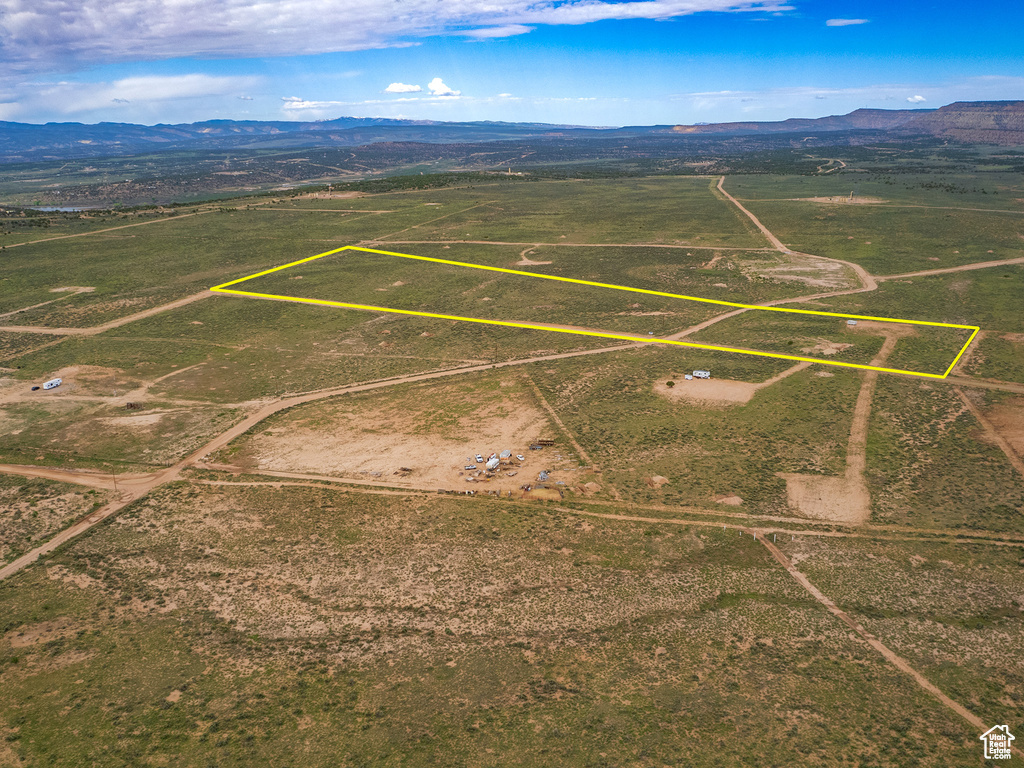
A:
(53, 383)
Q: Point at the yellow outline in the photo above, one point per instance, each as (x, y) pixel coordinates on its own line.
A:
(223, 288)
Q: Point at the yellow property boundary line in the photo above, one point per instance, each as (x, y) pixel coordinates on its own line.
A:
(224, 288)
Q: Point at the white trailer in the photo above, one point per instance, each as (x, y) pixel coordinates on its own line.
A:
(492, 463)
(702, 374)
(53, 383)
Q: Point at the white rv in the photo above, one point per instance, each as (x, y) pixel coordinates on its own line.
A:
(702, 374)
(53, 383)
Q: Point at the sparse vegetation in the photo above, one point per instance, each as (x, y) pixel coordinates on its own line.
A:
(348, 615)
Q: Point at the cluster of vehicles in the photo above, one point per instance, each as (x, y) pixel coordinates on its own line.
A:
(492, 462)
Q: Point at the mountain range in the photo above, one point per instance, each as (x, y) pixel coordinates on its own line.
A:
(994, 122)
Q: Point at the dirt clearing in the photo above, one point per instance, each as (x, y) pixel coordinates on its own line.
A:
(408, 445)
(839, 499)
(718, 392)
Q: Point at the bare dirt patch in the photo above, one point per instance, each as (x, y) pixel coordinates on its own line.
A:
(718, 392)
(839, 499)
(878, 328)
(43, 632)
(139, 421)
(1008, 420)
(378, 442)
(732, 500)
(802, 268)
(75, 288)
(524, 261)
(825, 347)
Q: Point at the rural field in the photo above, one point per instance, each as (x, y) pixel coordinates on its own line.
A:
(262, 529)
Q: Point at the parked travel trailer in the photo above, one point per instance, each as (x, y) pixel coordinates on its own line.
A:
(53, 383)
(702, 374)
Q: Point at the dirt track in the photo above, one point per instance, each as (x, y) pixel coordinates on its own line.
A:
(135, 486)
(111, 229)
(948, 270)
(138, 486)
(93, 330)
(991, 431)
(891, 656)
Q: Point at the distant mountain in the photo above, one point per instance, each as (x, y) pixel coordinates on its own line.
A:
(976, 122)
(23, 142)
(997, 122)
(860, 119)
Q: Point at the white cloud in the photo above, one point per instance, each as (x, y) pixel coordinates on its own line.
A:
(402, 88)
(133, 97)
(916, 99)
(508, 30)
(844, 22)
(64, 35)
(245, 98)
(438, 88)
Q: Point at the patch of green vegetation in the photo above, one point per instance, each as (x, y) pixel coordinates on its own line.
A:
(674, 210)
(34, 509)
(828, 338)
(929, 464)
(466, 658)
(888, 187)
(989, 298)
(997, 356)
(705, 450)
(101, 435)
(14, 345)
(889, 240)
(950, 609)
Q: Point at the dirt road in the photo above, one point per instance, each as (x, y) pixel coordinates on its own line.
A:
(111, 229)
(133, 487)
(967, 381)
(948, 270)
(104, 480)
(891, 656)
(93, 330)
(866, 279)
(992, 432)
(141, 485)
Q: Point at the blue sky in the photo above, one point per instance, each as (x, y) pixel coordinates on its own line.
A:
(584, 62)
